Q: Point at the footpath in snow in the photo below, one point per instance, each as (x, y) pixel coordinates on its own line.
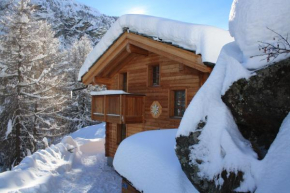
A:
(77, 164)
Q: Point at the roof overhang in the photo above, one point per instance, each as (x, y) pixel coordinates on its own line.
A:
(128, 46)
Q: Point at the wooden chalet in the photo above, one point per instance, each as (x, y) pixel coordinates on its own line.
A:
(151, 73)
(159, 80)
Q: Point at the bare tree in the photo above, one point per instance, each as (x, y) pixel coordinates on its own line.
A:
(273, 50)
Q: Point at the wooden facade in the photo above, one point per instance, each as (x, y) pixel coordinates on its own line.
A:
(128, 65)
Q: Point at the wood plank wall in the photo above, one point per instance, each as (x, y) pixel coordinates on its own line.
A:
(173, 76)
(111, 136)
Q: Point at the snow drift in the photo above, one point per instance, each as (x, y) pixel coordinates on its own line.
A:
(76, 164)
(148, 161)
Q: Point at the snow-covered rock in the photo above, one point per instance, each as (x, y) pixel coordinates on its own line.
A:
(248, 23)
(260, 104)
(204, 40)
(219, 146)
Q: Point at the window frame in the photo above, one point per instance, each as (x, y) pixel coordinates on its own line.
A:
(172, 105)
(122, 83)
(150, 75)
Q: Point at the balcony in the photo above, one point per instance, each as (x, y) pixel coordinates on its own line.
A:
(117, 107)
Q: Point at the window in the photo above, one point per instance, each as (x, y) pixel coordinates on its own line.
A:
(121, 133)
(123, 82)
(155, 78)
(177, 103)
(153, 75)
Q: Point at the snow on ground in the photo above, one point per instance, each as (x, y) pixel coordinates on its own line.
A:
(77, 164)
(90, 132)
(204, 40)
(149, 162)
(221, 145)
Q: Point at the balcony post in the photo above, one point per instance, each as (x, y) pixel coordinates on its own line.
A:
(121, 109)
(93, 108)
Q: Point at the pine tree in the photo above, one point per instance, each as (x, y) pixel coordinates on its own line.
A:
(80, 106)
(30, 68)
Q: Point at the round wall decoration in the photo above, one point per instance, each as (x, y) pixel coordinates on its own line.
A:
(155, 109)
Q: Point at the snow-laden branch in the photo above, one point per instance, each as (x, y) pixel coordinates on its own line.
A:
(39, 97)
(5, 75)
(272, 51)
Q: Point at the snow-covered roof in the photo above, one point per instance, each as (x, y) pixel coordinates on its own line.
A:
(204, 40)
(148, 161)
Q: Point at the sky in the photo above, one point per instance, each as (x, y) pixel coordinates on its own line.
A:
(208, 12)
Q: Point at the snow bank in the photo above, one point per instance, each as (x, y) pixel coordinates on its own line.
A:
(90, 132)
(35, 169)
(58, 168)
(205, 40)
(148, 160)
(249, 20)
(274, 177)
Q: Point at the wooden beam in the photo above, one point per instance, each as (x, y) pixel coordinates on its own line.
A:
(134, 49)
(121, 65)
(110, 54)
(176, 54)
(115, 62)
(99, 80)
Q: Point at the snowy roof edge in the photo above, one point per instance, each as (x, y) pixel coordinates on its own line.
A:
(199, 38)
(97, 59)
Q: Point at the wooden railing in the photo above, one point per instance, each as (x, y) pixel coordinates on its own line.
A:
(118, 108)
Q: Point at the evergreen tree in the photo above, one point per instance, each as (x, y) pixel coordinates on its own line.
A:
(32, 98)
(80, 106)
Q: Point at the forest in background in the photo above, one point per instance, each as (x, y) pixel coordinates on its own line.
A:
(40, 97)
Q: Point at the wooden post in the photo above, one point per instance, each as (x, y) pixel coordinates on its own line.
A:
(121, 110)
(143, 111)
(93, 108)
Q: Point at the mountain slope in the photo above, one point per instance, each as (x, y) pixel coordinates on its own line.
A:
(69, 19)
